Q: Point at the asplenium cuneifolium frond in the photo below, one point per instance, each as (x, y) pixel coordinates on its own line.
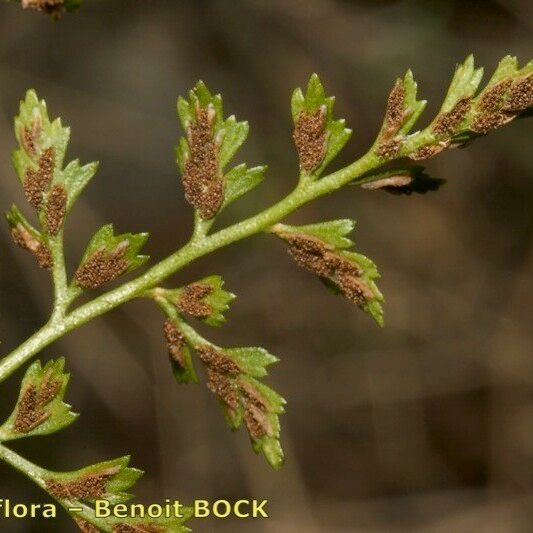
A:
(212, 180)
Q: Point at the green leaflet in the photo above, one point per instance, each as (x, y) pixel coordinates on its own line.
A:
(105, 239)
(240, 180)
(245, 400)
(218, 300)
(464, 84)
(333, 232)
(204, 299)
(370, 274)
(413, 107)
(252, 360)
(75, 177)
(403, 108)
(40, 409)
(229, 135)
(314, 100)
(321, 249)
(128, 245)
(507, 69)
(110, 481)
(37, 135)
(269, 445)
(114, 479)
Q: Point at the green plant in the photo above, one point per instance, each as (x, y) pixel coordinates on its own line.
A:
(211, 184)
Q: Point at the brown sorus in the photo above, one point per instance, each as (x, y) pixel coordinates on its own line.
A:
(30, 137)
(28, 140)
(492, 99)
(253, 396)
(29, 415)
(220, 385)
(49, 388)
(23, 238)
(190, 300)
(175, 343)
(102, 266)
(490, 121)
(313, 254)
(37, 181)
(310, 138)
(204, 189)
(87, 487)
(520, 95)
(395, 113)
(389, 149)
(256, 422)
(447, 123)
(427, 151)
(44, 257)
(354, 288)
(308, 252)
(217, 360)
(56, 209)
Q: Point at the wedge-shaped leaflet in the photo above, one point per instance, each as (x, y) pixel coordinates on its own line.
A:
(321, 249)
(204, 299)
(402, 111)
(48, 187)
(108, 256)
(317, 135)
(455, 115)
(109, 480)
(240, 180)
(464, 84)
(40, 409)
(233, 376)
(210, 144)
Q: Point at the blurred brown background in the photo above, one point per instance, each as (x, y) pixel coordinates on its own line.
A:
(424, 426)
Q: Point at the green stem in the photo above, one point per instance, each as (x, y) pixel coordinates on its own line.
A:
(199, 246)
(59, 275)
